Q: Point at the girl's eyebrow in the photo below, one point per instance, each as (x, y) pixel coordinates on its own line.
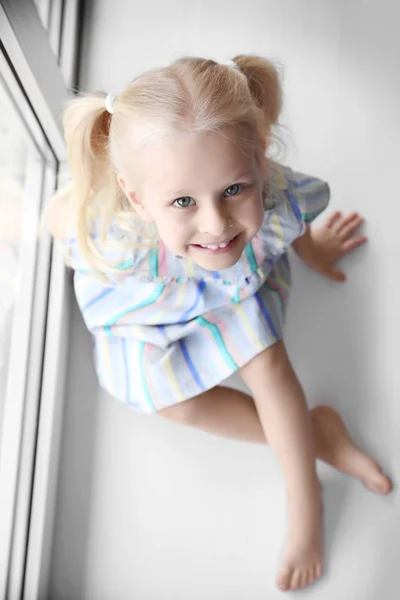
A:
(236, 177)
(175, 193)
(241, 174)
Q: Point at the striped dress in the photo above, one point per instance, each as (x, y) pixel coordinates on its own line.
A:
(168, 329)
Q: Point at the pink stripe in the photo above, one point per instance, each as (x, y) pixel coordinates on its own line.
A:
(226, 334)
(125, 319)
(258, 249)
(244, 293)
(277, 289)
(148, 349)
(162, 259)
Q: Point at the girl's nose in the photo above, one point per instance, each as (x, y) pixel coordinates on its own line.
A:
(213, 221)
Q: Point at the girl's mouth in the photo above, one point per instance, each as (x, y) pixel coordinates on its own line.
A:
(219, 248)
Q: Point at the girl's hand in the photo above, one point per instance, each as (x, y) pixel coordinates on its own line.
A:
(323, 246)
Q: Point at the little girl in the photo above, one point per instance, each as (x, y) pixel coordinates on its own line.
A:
(177, 224)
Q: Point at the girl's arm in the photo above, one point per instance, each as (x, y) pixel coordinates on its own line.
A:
(321, 247)
(303, 245)
(55, 215)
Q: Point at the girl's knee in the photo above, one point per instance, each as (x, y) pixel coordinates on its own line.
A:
(272, 355)
(179, 413)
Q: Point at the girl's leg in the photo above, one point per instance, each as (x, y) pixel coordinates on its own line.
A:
(221, 411)
(286, 422)
(229, 413)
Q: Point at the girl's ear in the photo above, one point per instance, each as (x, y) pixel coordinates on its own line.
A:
(135, 202)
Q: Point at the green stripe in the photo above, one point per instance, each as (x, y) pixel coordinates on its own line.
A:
(154, 262)
(126, 264)
(251, 259)
(278, 294)
(219, 341)
(236, 297)
(123, 266)
(309, 216)
(153, 298)
(143, 379)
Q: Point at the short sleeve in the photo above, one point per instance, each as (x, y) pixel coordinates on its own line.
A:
(309, 195)
(292, 201)
(115, 254)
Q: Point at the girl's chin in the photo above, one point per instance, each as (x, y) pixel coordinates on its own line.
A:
(221, 266)
(216, 263)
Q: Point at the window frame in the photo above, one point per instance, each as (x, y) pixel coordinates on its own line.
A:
(30, 444)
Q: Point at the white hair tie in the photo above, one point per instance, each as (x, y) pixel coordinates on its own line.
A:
(232, 64)
(109, 103)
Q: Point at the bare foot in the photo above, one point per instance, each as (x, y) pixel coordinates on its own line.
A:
(301, 563)
(335, 447)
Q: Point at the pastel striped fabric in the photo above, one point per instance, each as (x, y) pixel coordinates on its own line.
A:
(170, 330)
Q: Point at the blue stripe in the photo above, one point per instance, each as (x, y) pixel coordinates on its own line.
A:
(294, 205)
(200, 287)
(216, 275)
(277, 292)
(103, 294)
(219, 341)
(163, 330)
(74, 240)
(191, 366)
(154, 296)
(285, 258)
(300, 184)
(266, 315)
(126, 370)
(142, 378)
(94, 236)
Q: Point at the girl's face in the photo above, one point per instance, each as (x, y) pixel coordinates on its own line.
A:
(204, 196)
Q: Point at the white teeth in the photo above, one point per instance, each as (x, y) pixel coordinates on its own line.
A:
(215, 246)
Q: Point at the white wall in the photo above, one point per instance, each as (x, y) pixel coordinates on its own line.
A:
(152, 511)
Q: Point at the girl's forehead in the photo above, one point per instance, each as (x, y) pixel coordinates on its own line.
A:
(197, 161)
(210, 151)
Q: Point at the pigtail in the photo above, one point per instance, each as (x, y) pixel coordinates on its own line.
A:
(266, 91)
(263, 81)
(92, 179)
(86, 129)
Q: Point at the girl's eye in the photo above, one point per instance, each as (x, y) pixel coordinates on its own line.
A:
(234, 189)
(184, 202)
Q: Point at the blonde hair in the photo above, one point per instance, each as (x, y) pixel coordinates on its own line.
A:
(190, 95)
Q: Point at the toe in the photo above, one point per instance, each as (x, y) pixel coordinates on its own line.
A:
(384, 485)
(310, 576)
(296, 579)
(304, 579)
(379, 482)
(283, 579)
(318, 571)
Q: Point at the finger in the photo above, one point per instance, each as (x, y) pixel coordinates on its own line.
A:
(353, 243)
(348, 230)
(349, 217)
(336, 274)
(348, 221)
(333, 218)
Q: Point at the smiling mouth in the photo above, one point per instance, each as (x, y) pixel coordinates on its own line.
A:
(218, 248)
